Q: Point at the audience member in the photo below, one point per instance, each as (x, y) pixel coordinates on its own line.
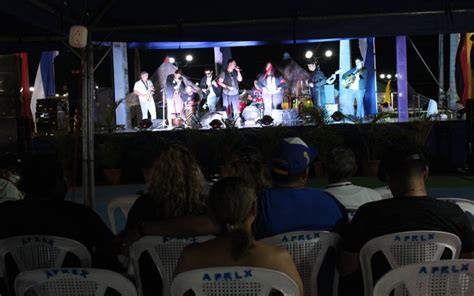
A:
(232, 206)
(247, 163)
(289, 206)
(405, 170)
(9, 179)
(45, 212)
(340, 166)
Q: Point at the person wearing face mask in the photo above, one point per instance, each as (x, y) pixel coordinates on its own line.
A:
(9, 179)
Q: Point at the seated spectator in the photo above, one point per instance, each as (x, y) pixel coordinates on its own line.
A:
(247, 164)
(45, 212)
(174, 200)
(340, 166)
(232, 205)
(289, 206)
(405, 170)
(9, 178)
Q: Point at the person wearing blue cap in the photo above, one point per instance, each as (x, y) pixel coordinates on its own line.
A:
(289, 205)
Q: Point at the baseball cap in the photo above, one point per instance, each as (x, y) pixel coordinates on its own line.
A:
(292, 156)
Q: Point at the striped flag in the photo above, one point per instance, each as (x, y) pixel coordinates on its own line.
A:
(387, 98)
(44, 81)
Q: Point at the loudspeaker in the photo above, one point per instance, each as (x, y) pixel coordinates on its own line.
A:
(9, 85)
(78, 36)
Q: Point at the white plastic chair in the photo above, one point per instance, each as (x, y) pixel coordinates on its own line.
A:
(308, 249)
(404, 248)
(165, 252)
(40, 251)
(72, 282)
(233, 280)
(438, 278)
(124, 203)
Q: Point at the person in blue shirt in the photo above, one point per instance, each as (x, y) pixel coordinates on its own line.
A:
(289, 205)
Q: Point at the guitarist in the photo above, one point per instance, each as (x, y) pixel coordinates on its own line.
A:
(317, 82)
(355, 80)
(210, 89)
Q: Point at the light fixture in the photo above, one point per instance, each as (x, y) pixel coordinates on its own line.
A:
(32, 88)
(308, 54)
(396, 75)
(328, 53)
(337, 116)
(266, 120)
(389, 76)
(172, 60)
(57, 95)
(382, 76)
(216, 124)
(189, 58)
(96, 87)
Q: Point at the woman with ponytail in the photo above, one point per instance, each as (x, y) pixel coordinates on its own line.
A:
(231, 205)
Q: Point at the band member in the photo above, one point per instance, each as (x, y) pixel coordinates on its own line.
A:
(191, 104)
(272, 85)
(355, 80)
(317, 83)
(144, 89)
(174, 89)
(210, 89)
(229, 81)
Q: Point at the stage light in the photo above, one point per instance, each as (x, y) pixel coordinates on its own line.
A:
(189, 58)
(337, 116)
(266, 120)
(96, 87)
(216, 124)
(172, 60)
(389, 76)
(396, 75)
(308, 54)
(145, 124)
(328, 53)
(382, 76)
(57, 95)
(32, 88)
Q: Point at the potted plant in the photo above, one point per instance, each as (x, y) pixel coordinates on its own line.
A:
(110, 152)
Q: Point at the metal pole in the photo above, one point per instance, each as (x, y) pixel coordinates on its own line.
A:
(88, 124)
(441, 96)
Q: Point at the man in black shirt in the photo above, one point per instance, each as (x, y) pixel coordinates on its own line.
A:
(411, 209)
(45, 212)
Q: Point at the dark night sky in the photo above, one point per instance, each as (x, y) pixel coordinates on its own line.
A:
(252, 59)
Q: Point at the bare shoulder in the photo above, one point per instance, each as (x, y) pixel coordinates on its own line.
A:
(273, 254)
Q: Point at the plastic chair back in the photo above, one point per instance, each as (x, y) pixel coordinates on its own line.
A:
(405, 248)
(124, 203)
(233, 280)
(72, 282)
(438, 278)
(308, 249)
(40, 251)
(165, 252)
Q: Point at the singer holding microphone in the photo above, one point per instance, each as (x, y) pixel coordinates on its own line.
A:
(229, 81)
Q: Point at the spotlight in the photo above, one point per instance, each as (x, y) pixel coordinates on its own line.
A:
(328, 53)
(308, 54)
(396, 75)
(216, 124)
(96, 87)
(145, 124)
(266, 120)
(389, 76)
(337, 116)
(382, 76)
(32, 88)
(57, 95)
(189, 58)
(172, 60)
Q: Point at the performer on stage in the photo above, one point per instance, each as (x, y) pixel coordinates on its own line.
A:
(272, 85)
(229, 81)
(316, 84)
(144, 89)
(211, 89)
(191, 104)
(173, 91)
(355, 80)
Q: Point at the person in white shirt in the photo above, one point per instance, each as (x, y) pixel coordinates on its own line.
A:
(144, 89)
(340, 166)
(272, 86)
(9, 178)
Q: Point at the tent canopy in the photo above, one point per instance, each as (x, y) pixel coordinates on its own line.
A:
(26, 22)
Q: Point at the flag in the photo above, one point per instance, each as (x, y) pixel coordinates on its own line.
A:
(44, 81)
(387, 98)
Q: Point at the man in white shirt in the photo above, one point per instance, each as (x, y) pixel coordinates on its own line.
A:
(9, 178)
(144, 90)
(340, 166)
